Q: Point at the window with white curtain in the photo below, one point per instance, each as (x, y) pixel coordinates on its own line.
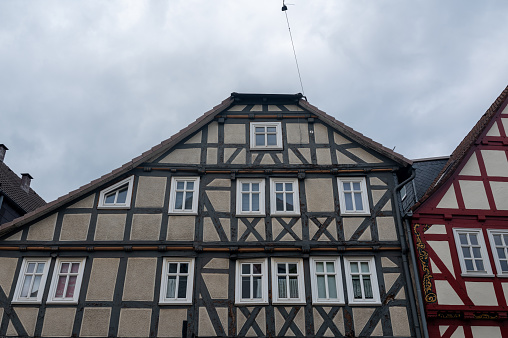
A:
(284, 199)
(66, 281)
(31, 280)
(250, 197)
(251, 281)
(326, 278)
(361, 280)
(287, 281)
(177, 280)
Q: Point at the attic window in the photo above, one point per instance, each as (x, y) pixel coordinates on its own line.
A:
(265, 135)
(118, 195)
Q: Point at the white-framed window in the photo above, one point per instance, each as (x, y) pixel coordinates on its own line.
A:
(472, 251)
(183, 198)
(361, 278)
(177, 280)
(287, 281)
(252, 281)
(353, 196)
(265, 135)
(66, 281)
(284, 199)
(250, 197)
(117, 196)
(326, 278)
(499, 245)
(31, 280)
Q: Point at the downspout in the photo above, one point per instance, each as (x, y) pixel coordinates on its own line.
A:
(405, 264)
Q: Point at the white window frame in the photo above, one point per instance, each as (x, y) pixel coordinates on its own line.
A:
(278, 132)
(342, 197)
(239, 194)
(296, 197)
(195, 196)
(497, 260)
(54, 281)
(375, 300)
(300, 280)
(338, 280)
(102, 197)
(164, 281)
(483, 250)
(17, 299)
(264, 282)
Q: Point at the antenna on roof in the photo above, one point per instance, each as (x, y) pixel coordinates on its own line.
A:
(284, 9)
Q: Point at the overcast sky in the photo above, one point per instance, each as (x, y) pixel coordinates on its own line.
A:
(85, 86)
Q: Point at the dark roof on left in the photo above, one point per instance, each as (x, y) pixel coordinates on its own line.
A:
(10, 186)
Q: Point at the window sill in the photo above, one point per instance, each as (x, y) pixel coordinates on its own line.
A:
(186, 302)
(284, 214)
(26, 301)
(365, 303)
(124, 207)
(355, 214)
(246, 303)
(266, 148)
(288, 302)
(479, 275)
(250, 215)
(181, 213)
(329, 303)
(62, 301)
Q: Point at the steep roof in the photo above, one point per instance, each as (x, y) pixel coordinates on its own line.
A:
(10, 186)
(463, 148)
(235, 98)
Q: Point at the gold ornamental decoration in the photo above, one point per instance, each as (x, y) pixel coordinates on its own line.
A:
(423, 256)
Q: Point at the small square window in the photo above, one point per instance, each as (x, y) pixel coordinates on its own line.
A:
(472, 251)
(499, 245)
(265, 135)
(251, 281)
(250, 197)
(117, 196)
(31, 280)
(66, 281)
(177, 281)
(353, 196)
(362, 285)
(183, 198)
(287, 281)
(284, 199)
(326, 280)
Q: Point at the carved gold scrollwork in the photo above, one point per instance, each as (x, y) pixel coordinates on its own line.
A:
(486, 315)
(423, 256)
(449, 315)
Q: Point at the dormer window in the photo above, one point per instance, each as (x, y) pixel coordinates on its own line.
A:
(118, 195)
(265, 135)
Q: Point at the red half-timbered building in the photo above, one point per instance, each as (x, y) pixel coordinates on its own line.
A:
(460, 233)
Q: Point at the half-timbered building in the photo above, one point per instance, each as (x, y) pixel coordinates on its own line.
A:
(460, 231)
(264, 217)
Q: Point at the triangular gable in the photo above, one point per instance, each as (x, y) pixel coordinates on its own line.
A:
(167, 151)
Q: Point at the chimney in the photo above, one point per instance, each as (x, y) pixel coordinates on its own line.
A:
(25, 181)
(3, 149)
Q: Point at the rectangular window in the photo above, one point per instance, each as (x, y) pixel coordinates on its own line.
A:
(66, 282)
(265, 135)
(117, 196)
(287, 281)
(252, 281)
(183, 197)
(177, 281)
(326, 280)
(250, 197)
(284, 199)
(499, 245)
(31, 280)
(353, 196)
(472, 252)
(361, 280)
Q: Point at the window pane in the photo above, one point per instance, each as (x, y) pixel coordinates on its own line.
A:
(289, 202)
(188, 200)
(346, 186)
(282, 287)
(190, 185)
(245, 287)
(64, 268)
(256, 269)
(75, 267)
(292, 268)
(26, 286)
(260, 139)
(476, 252)
(289, 186)
(182, 287)
(474, 239)
(293, 287)
(281, 268)
(504, 266)
(465, 252)
(255, 202)
(271, 139)
(463, 239)
(173, 267)
(179, 200)
(184, 267)
(260, 129)
(365, 267)
(31, 268)
(497, 239)
(279, 202)
(354, 267)
(271, 129)
(332, 287)
(246, 269)
(170, 293)
(71, 286)
(245, 186)
(469, 265)
(358, 201)
(330, 267)
(122, 196)
(279, 187)
(60, 287)
(180, 185)
(349, 201)
(256, 287)
(35, 287)
(356, 185)
(255, 186)
(501, 253)
(357, 289)
(245, 202)
(505, 237)
(367, 287)
(40, 267)
(319, 267)
(321, 286)
(110, 199)
(479, 265)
